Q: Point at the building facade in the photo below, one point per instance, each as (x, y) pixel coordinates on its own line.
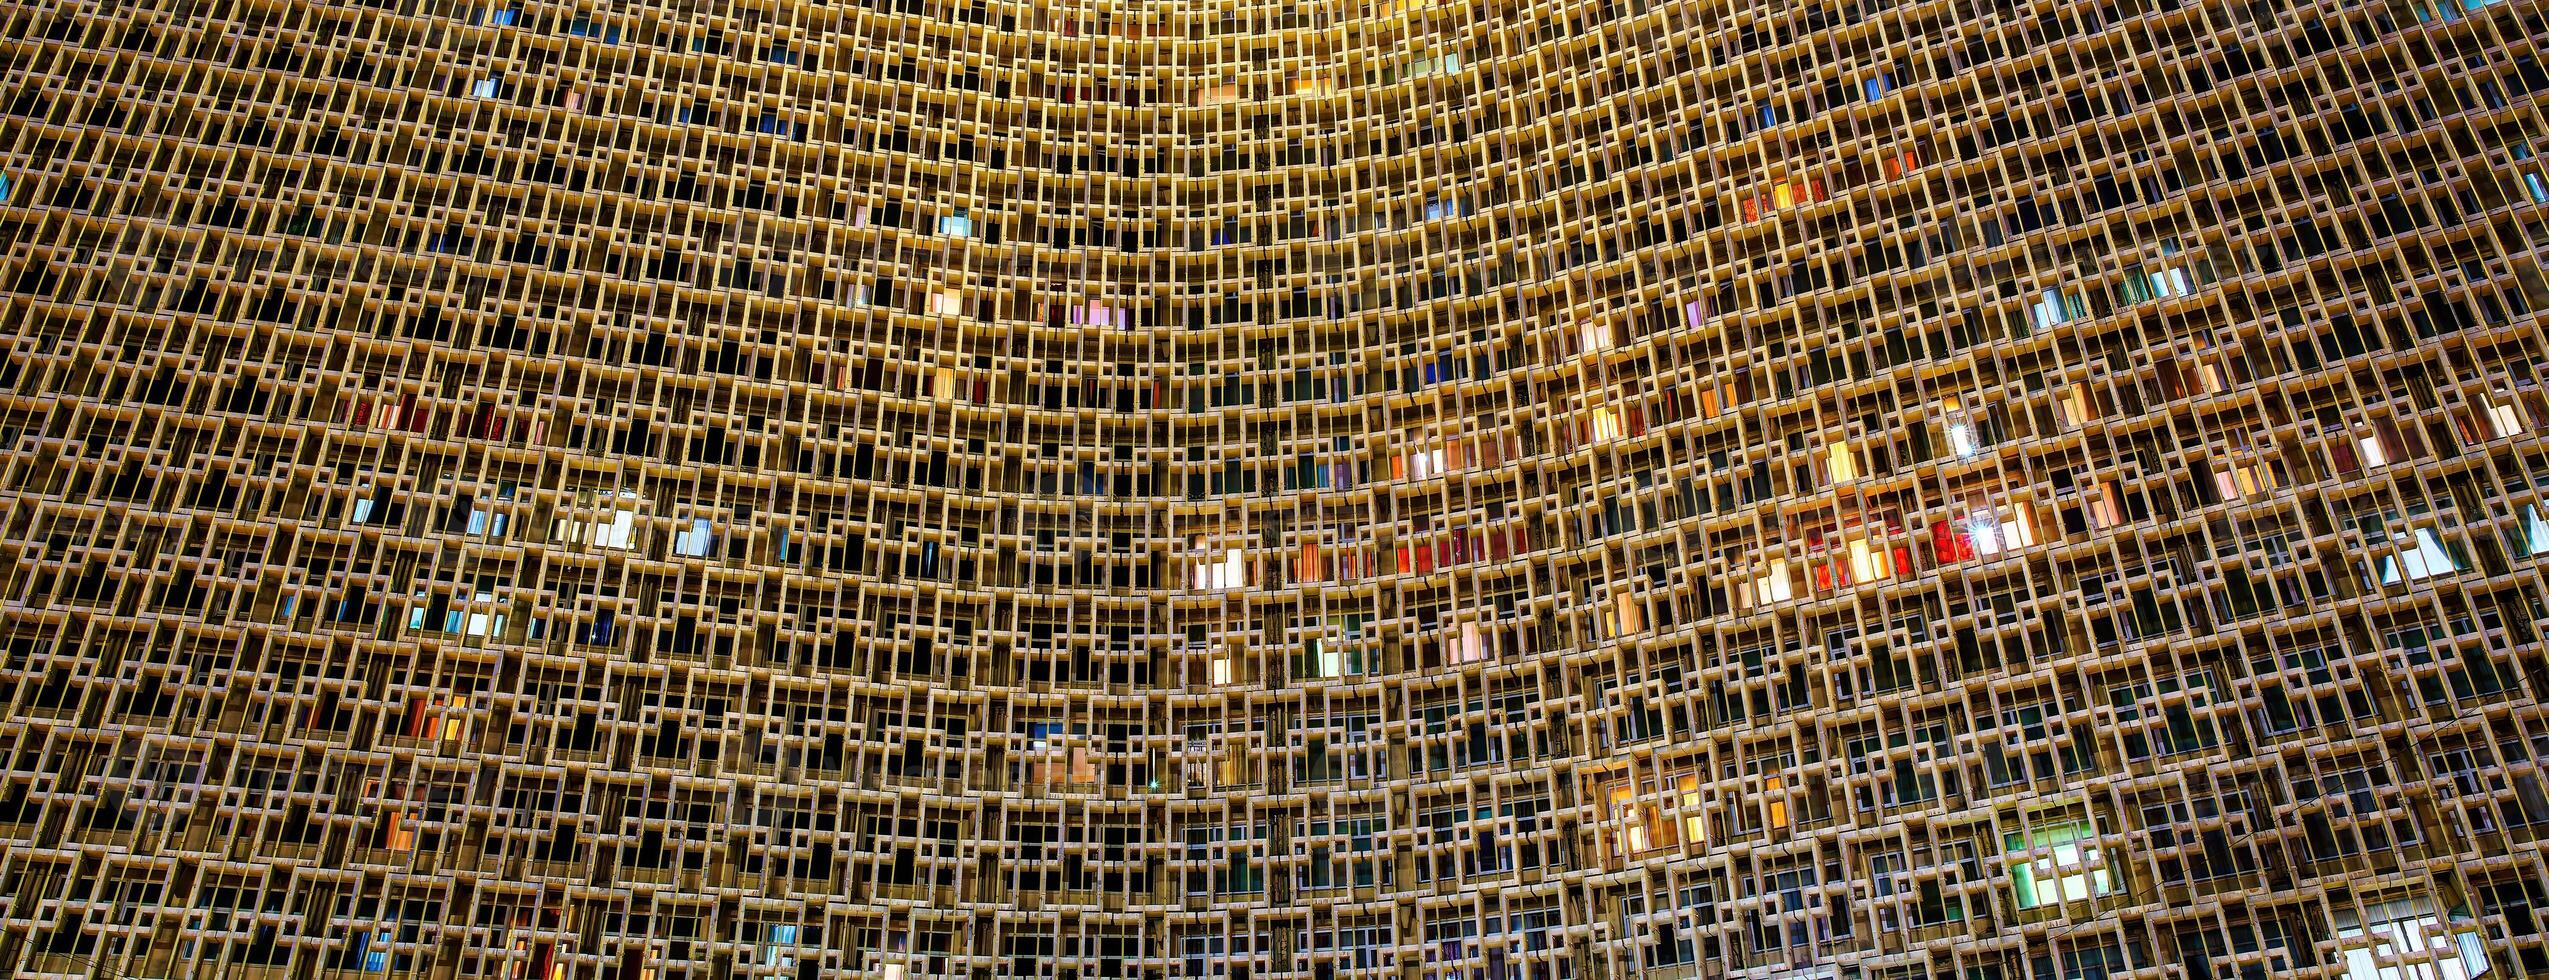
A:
(1976, 489)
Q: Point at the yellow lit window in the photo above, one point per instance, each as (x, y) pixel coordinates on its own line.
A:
(1606, 425)
(2243, 480)
(1694, 817)
(2073, 405)
(1868, 561)
(1843, 464)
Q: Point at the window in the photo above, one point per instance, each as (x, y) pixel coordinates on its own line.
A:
(695, 541)
(2239, 481)
(1964, 435)
(1773, 587)
(2406, 940)
(612, 525)
(1998, 529)
(2074, 406)
(2506, 419)
(1843, 465)
(2425, 558)
(1226, 572)
(2534, 540)
(1596, 337)
(484, 89)
(776, 951)
(2055, 308)
(2057, 864)
(2369, 449)
(372, 950)
(956, 225)
(2100, 504)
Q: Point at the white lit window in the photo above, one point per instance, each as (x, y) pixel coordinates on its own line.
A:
(482, 622)
(484, 89)
(2506, 419)
(1963, 439)
(947, 302)
(1226, 573)
(1771, 588)
(1994, 530)
(956, 225)
(2370, 449)
(1596, 337)
(2057, 864)
(2407, 940)
(695, 541)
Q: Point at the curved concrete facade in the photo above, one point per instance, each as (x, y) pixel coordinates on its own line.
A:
(1867, 491)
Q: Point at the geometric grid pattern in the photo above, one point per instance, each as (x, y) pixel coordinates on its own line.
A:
(1603, 488)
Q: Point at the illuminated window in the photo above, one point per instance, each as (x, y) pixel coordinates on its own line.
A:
(2425, 558)
(778, 950)
(2101, 508)
(2534, 540)
(695, 541)
(372, 948)
(1621, 615)
(1606, 424)
(2240, 481)
(1994, 530)
(2073, 405)
(1772, 587)
(1843, 464)
(1964, 437)
(2368, 448)
(481, 621)
(947, 302)
(1215, 574)
(2407, 940)
(2506, 420)
(956, 225)
(1694, 814)
(1596, 337)
(610, 526)
(2057, 864)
